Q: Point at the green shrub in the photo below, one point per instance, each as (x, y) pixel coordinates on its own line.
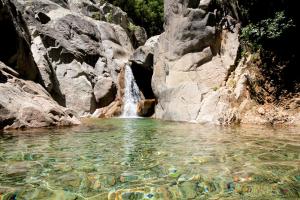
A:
(268, 30)
(96, 16)
(145, 13)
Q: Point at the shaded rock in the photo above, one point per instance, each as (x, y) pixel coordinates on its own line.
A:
(139, 36)
(144, 54)
(42, 17)
(87, 8)
(40, 57)
(115, 15)
(146, 107)
(188, 190)
(105, 91)
(62, 3)
(15, 41)
(83, 44)
(142, 66)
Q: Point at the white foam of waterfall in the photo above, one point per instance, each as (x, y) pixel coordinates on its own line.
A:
(131, 96)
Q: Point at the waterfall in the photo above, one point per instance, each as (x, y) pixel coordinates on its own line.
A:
(132, 94)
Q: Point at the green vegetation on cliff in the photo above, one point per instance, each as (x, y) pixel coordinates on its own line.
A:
(269, 28)
(146, 13)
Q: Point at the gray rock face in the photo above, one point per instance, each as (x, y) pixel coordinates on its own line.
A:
(115, 15)
(105, 91)
(15, 41)
(187, 66)
(76, 87)
(75, 57)
(143, 55)
(25, 104)
(73, 52)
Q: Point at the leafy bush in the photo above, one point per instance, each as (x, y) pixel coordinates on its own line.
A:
(268, 30)
(146, 13)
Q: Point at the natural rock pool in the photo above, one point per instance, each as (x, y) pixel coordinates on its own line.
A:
(150, 159)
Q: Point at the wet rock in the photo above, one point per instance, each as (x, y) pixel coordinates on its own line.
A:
(126, 177)
(43, 192)
(127, 194)
(132, 195)
(146, 107)
(265, 178)
(188, 190)
(114, 109)
(107, 181)
(173, 172)
(230, 186)
(70, 182)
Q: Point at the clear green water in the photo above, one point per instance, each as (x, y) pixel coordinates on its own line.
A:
(149, 159)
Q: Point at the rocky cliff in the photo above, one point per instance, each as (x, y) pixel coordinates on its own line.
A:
(198, 76)
(62, 60)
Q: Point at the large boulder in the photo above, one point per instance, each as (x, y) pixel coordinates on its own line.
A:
(105, 91)
(145, 108)
(189, 64)
(143, 55)
(25, 104)
(76, 87)
(65, 47)
(15, 41)
(116, 15)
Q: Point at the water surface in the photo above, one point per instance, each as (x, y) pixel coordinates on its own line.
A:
(150, 159)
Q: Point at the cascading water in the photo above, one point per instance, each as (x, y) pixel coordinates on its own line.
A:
(132, 95)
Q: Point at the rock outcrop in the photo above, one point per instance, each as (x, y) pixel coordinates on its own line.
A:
(70, 56)
(79, 57)
(196, 76)
(26, 104)
(15, 41)
(23, 102)
(189, 63)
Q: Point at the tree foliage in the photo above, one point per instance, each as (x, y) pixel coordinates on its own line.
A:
(146, 13)
(270, 27)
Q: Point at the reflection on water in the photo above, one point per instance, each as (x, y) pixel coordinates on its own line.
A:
(149, 159)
